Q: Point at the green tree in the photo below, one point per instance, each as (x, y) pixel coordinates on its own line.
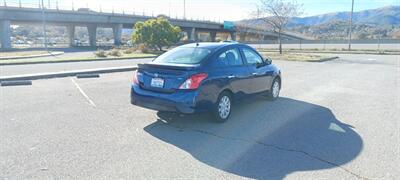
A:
(156, 33)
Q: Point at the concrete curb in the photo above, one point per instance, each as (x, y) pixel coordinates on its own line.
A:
(80, 76)
(16, 83)
(66, 73)
(32, 56)
(68, 61)
(326, 59)
(317, 61)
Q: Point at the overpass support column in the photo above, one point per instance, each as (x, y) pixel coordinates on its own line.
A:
(5, 34)
(71, 35)
(188, 33)
(117, 30)
(233, 36)
(213, 34)
(193, 34)
(92, 29)
(242, 36)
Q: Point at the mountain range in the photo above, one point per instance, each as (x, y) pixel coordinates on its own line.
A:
(367, 24)
(389, 15)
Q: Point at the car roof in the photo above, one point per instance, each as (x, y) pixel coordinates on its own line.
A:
(212, 45)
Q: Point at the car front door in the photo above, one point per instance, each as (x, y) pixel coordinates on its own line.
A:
(260, 71)
(232, 71)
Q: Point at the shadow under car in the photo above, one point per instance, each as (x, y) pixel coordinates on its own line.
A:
(263, 139)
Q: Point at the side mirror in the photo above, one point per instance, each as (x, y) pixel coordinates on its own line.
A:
(258, 65)
(268, 61)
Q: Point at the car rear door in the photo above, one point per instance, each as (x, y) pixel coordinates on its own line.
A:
(261, 73)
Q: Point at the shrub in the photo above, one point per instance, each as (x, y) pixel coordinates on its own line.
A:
(115, 52)
(130, 50)
(100, 53)
(142, 48)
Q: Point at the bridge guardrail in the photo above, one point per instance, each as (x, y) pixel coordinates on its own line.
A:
(54, 5)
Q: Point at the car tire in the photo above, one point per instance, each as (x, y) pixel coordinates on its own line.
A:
(223, 107)
(273, 93)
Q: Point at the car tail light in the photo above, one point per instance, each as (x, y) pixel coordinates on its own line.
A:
(194, 81)
(135, 77)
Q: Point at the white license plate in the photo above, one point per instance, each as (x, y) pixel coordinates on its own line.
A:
(157, 82)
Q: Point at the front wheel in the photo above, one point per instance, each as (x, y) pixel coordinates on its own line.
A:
(273, 93)
(222, 109)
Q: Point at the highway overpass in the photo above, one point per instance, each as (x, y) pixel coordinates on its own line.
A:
(92, 20)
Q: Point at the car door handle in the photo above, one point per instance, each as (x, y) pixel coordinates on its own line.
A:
(231, 76)
(255, 74)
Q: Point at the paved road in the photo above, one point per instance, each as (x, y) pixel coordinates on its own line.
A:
(335, 120)
(55, 67)
(392, 47)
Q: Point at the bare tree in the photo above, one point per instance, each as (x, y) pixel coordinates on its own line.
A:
(243, 28)
(277, 13)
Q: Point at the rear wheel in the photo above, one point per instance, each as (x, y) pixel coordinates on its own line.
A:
(222, 109)
(273, 93)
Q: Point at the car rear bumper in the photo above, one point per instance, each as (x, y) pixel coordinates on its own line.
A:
(179, 101)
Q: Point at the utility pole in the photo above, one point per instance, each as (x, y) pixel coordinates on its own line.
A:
(44, 27)
(351, 23)
(184, 9)
(169, 9)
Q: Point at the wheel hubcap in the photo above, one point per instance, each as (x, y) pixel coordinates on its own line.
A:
(275, 89)
(224, 107)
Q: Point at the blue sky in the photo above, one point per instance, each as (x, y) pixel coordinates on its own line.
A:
(209, 9)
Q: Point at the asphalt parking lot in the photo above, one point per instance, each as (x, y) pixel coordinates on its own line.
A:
(334, 120)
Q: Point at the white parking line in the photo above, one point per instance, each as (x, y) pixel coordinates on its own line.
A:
(83, 93)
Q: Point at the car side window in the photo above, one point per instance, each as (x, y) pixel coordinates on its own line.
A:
(230, 57)
(252, 57)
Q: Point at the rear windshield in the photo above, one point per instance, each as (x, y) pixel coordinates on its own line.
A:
(183, 55)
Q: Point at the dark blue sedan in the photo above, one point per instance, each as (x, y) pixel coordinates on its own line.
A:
(204, 77)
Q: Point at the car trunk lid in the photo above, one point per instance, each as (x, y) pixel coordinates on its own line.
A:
(164, 78)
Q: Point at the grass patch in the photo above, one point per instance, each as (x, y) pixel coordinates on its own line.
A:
(23, 53)
(89, 58)
(294, 56)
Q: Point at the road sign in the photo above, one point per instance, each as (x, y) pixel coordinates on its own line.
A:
(229, 25)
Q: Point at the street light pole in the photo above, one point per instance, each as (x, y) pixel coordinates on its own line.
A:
(351, 23)
(44, 27)
(184, 9)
